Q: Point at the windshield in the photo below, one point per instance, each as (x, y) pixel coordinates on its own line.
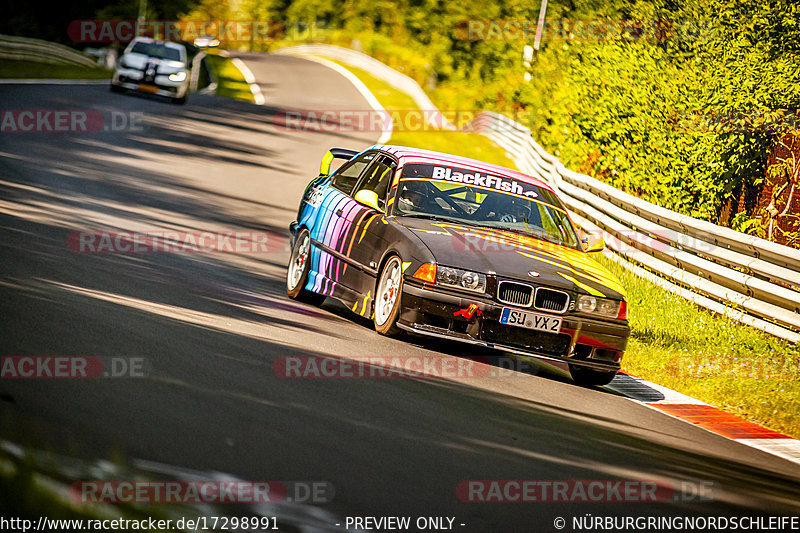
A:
(157, 50)
(476, 198)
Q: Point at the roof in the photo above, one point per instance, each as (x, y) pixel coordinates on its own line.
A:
(417, 155)
(151, 40)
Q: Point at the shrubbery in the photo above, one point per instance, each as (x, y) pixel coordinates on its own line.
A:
(685, 115)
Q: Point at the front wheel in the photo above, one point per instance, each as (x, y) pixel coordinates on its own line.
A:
(387, 297)
(587, 376)
(297, 272)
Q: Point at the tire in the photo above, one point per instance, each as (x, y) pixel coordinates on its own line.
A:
(588, 377)
(116, 88)
(387, 297)
(297, 271)
(179, 101)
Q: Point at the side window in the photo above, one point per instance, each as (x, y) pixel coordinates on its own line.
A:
(347, 176)
(378, 178)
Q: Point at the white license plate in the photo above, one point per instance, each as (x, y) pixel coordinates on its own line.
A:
(526, 319)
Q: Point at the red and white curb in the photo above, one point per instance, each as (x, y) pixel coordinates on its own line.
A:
(706, 416)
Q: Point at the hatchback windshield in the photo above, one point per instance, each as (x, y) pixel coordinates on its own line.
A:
(478, 198)
(157, 50)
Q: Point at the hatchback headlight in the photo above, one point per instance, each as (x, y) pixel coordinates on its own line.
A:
(460, 279)
(599, 306)
(177, 76)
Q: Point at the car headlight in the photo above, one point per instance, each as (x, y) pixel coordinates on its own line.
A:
(177, 76)
(460, 279)
(602, 306)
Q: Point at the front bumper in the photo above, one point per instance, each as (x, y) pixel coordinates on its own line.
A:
(161, 84)
(592, 343)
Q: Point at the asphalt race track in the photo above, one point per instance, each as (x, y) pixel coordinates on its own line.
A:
(209, 329)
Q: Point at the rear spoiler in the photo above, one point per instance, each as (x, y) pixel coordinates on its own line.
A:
(343, 153)
(330, 155)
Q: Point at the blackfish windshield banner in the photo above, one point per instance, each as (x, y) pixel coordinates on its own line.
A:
(476, 178)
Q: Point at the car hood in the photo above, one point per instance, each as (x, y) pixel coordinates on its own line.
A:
(510, 255)
(139, 61)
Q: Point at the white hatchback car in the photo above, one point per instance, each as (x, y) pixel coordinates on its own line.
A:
(154, 67)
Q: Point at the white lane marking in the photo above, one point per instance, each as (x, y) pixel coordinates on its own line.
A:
(361, 88)
(255, 88)
(28, 81)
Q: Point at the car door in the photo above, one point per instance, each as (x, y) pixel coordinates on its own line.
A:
(369, 243)
(335, 224)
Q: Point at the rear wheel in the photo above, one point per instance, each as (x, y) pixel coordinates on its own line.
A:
(116, 88)
(587, 376)
(180, 101)
(387, 297)
(297, 272)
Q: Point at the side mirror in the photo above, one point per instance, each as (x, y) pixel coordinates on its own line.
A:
(368, 198)
(594, 243)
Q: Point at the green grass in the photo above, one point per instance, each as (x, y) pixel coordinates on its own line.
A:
(714, 359)
(673, 342)
(230, 80)
(399, 104)
(15, 69)
(389, 97)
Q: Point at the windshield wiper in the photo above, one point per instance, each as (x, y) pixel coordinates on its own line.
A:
(446, 219)
(429, 217)
(534, 236)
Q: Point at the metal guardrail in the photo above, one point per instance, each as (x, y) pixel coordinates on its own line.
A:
(751, 280)
(22, 48)
(756, 281)
(516, 139)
